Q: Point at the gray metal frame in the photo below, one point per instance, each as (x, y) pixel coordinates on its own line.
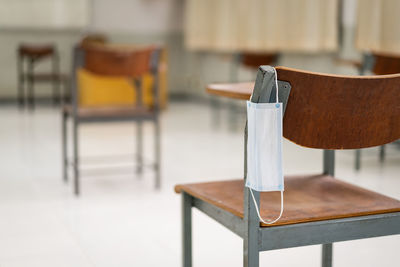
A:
(256, 238)
(78, 62)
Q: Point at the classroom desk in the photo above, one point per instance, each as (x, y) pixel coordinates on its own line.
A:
(241, 91)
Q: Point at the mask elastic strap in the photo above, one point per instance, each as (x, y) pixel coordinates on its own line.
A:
(276, 85)
(258, 212)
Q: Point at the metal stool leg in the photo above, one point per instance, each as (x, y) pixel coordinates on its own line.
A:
(64, 146)
(21, 82)
(327, 250)
(31, 98)
(76, 158)
(186, 230)
(382, 153)
(139, 147)
(31, 81)
(357, 164)
(157, 142)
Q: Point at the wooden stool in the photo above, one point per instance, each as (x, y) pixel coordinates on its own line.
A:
(33, 54)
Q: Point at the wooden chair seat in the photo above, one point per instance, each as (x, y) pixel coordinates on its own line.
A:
(109, 112)
(306, 199)
(37, 50)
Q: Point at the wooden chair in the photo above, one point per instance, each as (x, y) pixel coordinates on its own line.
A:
(322, 111)
(379, 64)
(131, 63)
(33, 54)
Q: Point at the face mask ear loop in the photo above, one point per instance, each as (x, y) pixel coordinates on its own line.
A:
(276, 86)
(251, 191)
(258, 212)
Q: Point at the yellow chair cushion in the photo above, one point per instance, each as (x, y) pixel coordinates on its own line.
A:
(96, 90)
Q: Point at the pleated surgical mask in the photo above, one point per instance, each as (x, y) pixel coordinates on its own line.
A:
(264, 149)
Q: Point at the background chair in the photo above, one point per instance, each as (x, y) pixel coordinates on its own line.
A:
(248, 60)
(320, 112)
(379, 64)
(132, 63)
(28, 57)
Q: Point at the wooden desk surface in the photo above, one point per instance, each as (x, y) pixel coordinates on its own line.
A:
(231, 90)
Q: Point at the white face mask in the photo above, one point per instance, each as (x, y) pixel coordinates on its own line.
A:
(264, 148)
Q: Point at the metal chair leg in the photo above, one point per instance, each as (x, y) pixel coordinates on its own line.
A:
(56, 91)
(21, 91)
(382, 153)
(186, 230)
(357, 163)
(233, 116)
(327, 250)
(251, 254)
(157, 155)
(76, 159)
(21, 77)
(31, 97)
(64, 146)
(216, 112)
(139, 148)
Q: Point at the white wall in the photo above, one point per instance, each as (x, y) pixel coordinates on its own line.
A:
(44, 14)
(137, 16)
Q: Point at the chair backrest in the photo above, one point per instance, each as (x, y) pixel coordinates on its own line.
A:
(119, 61)
(254, 60)
(386, 64)
(93, 38)
(341, 112)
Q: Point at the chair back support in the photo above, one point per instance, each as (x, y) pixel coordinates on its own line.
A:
(93, 38)
(341, 112)
(386, 64)
(114, 61)
(254, 60)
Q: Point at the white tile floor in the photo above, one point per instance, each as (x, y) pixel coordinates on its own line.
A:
(120, 220)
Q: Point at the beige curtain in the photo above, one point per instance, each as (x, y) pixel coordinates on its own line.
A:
(261, 25)
(378, 26)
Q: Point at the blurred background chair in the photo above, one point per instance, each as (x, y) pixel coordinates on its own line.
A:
(248, 60)
(318, 209)
(29, 55)
(379, 64)
(108, 61)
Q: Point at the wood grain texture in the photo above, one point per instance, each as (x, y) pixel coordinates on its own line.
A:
(306, 199)
(118, 61)
(231, 90)
(341, 112)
